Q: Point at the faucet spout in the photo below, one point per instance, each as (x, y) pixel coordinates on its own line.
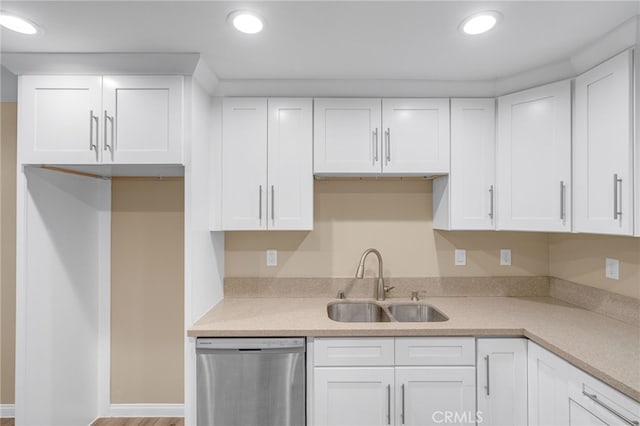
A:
(380, 289)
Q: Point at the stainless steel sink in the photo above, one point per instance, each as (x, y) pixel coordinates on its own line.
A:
(357, 312)
(413, 312)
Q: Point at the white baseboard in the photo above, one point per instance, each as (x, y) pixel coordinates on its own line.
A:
(7, 410)
(147, 410)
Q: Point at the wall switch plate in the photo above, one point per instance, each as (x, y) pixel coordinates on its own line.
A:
(272, 257)
(460, 257)
(505, 257)
(612, 268)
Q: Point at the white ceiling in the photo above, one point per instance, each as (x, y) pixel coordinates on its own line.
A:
(327, 40)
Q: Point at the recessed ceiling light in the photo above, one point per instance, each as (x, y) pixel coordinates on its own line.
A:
(480, 22)
(246, 21)
(17, 24)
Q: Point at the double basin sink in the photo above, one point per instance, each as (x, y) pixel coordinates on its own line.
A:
(374, 312)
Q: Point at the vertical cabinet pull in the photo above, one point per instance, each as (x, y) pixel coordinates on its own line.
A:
(388, 404)
(375, 145)
(402, 403)
(491, 201)
(617, 184)
(260, 203)
(93, 145)
(108, 146)
(562, 202)
(273, 203)
(595, 399)
(487, 386)
(387, 135)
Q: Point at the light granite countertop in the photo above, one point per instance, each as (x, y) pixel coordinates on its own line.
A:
(604, 347)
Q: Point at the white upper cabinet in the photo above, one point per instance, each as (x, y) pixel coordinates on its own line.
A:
(94, 119)
(244, 163)
(415, 136)
(534, 159)
(58, 119)
(603, 148)
(267, 178)
(347, 136)
(369, 137)
(142, 119)
(466, 198)
(290, 164)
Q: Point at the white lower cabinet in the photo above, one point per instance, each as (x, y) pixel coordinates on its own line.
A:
(502, 381)
(548, 380)
(356, 382)
(435, 395)
(358, 396)
(592, 402)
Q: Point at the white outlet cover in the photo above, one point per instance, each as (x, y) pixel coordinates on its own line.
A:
(505, 257)
(272, 257)
(612, 268)
(460, 257)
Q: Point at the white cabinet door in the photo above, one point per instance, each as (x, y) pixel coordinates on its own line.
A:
(244, 166)
(547, 384)
(593, 402)
(502, 381)
(59, 119)
(353, 396)
(465, 198)
(290, 168)
(347, 137)
(534, 159)
(603, 149)
(142, 118)
(435, 395)
(415, 136)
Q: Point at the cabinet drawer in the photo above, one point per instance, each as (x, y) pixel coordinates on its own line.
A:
(360, 351)
(435, 351)
(589, 395)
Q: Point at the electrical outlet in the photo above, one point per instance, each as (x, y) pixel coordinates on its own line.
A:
(505, 257)
(272, 257)
(612, 268)
(460, 257)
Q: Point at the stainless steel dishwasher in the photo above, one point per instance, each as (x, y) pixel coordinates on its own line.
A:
(251, 381)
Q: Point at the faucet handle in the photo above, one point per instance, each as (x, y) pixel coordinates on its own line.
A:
(414, 296)
(387, 288)
(341, 294)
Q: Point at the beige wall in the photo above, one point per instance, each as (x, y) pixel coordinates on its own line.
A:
(393, 216)
(7, 250)
(581, 259)
(147, 276)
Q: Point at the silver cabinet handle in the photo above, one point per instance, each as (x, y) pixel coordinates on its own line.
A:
(595, 399)
(388, 404)
(487, 386)
(91, 119)
(616, 183)
(562, 208)
(273, 202)
(387, 135)
(375, 145)
(108, 146)
(491, 201)
(402, 405)
(260, 203)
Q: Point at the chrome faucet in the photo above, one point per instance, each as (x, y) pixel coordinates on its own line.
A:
(381, 289)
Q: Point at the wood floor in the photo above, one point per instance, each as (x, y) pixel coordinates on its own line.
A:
(137, 421)
(122, 421)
